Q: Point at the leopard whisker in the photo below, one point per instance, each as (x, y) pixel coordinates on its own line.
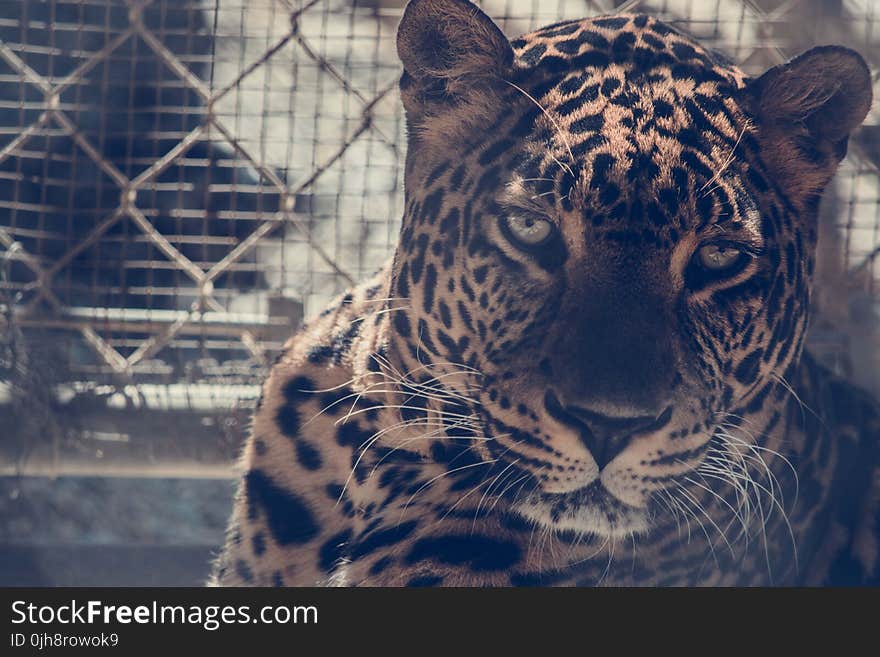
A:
(398, 407)
(608, 565)
(742, 512)
(702, 509)
(677, 503)
(500, 495)
(708, 489)
(559, 131)
(437, 478)
(777, 502)
(469, 493)
(593, 554)
(440, 432)
(774, 501)
(486, 492)
(753, 454)
(733, 471)
(726, 163)
(803, 406)
(692, 505)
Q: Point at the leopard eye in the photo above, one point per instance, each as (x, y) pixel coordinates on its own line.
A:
(717, 257)
(528, 231)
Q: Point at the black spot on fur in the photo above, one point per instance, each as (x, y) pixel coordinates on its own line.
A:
(321, 353)
(436, 173)
(298, 389)
(332, 400)
(307, 455)
(334, 491)
(589, 123)
(588, 145)
(560, 29)
(295, 391)
(431, 208)
(594, 39)
(609, 86)
(569, 46)
(383, 538)
(588, 94)
(570, 85)
(533, 55)
(332, 550)
(401, 324)
(747, 371)
(289, 519)
(350, 434)
(449, 227)
(381, 565)
(418, 262)
(614, 23)
(481, 553)
(445, 314)
(403, 281)
(244, 571)
(287, 419)
(495, 151)
(429, 287)
(422, 581)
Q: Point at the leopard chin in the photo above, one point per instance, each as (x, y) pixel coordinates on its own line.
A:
(589, 511)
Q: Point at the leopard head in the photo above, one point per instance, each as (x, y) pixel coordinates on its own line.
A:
(607, 244)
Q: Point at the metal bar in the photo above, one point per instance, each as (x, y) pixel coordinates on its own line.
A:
(70, 128)
(287, 213)
(346, 85)
(166, 160)
(193, 327)
(24, 70)
(164, 245)
(268, 226)
(110, 355)
(177, 469)
(96, 58)
(167, 57)
(26, 134)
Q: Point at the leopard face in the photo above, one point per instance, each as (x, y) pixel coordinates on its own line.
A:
(607, 246)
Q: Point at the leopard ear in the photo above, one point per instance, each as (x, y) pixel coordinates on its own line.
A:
(450, 51)
(806, 110)
(826, 89)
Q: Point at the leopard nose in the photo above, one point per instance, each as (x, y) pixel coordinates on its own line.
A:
(605, 436)
(608, 435)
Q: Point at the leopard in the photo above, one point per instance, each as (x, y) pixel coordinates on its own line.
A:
(585, 362)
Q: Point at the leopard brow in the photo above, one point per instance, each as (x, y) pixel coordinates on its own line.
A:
(517, 198)
(748, 242)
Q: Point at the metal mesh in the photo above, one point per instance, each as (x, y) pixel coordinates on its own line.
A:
(182, 180)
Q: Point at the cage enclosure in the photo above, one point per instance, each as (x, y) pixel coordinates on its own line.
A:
(183, 181)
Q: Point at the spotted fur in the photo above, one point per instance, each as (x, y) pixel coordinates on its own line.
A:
(602, 408)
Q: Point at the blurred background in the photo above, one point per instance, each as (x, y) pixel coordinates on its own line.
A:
(182, 181)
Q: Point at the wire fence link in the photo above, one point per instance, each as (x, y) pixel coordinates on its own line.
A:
(181, 181)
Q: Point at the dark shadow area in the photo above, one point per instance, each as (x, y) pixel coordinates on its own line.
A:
(105, 565)
(99, 531)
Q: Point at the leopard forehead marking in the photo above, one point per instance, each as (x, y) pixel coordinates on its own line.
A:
(625, 102)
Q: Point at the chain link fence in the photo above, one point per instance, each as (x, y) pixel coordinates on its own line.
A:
(181, 181)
